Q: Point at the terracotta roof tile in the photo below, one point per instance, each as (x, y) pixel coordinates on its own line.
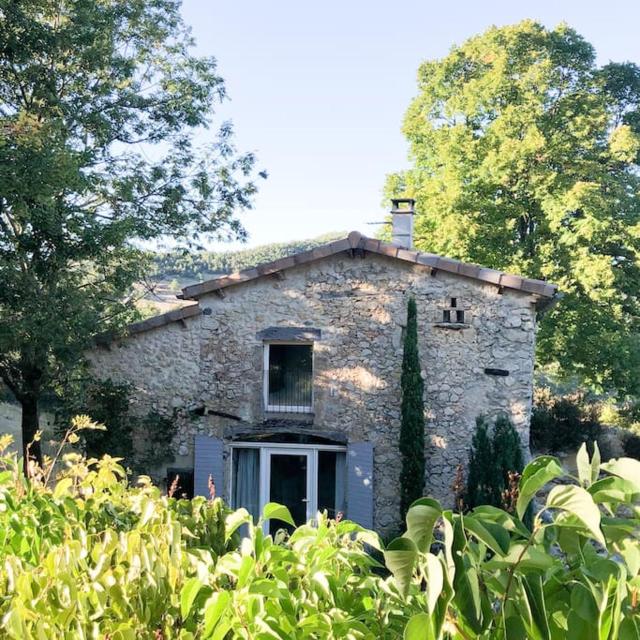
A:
(427, 259)
(189, 311)
(354, 240)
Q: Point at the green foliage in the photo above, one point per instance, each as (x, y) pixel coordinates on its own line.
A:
(107, 403)
(573, 576)
(631, 444)
(563, 423)
(154, 435)
(89, 556)
(412, 416)
(628, 415)
(525, 158)
(493, 455)
(101, 103)
(144, 442)
(92, 557)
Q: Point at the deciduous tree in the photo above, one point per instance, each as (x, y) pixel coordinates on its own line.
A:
(99, 105)
(525, 158)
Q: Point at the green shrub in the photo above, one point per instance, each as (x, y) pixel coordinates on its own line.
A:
(573, 576)
(494, 454)
(90, 556)
(563, 423)
(631, 444)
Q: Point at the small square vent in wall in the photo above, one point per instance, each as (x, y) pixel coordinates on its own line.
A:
(453, 311)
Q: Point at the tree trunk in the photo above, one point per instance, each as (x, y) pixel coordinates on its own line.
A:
(30, 424)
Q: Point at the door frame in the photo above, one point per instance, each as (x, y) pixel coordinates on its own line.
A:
(284, 448)
(265, 476)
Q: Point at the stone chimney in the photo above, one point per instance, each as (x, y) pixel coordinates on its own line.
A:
(402, 222)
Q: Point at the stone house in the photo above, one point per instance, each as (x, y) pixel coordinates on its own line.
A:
(287, 375)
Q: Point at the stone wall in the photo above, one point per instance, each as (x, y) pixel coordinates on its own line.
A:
(11, 422)
(359, 305)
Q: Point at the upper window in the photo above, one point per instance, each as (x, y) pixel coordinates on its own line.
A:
(288, 377)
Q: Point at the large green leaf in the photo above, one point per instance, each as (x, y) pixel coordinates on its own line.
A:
(188, 594)
(234, 521)
(466, 583)
(214, 608)
(629, 628)
(421, 518)
(614, 489)
(534, 592)
(275, 511)
(577, 502)
(489, 513)
(435, 581)
(583, 603)
(526, 558)
(535, 476)
(400, 557)
(626, 468)
(419, 627)
(447, 543)
(588, 470)
(489, 533)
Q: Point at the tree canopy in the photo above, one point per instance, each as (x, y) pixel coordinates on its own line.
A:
(99, 106)
(525, 157)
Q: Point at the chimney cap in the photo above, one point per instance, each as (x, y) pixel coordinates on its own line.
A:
(396, 204)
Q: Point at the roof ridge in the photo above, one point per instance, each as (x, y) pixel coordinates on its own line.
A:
(356, 240)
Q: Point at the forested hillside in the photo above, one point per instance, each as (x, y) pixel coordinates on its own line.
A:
(202, 264)
(173, 270)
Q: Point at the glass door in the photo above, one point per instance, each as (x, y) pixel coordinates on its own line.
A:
(289, 482)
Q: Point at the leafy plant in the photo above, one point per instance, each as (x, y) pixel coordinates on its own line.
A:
(574, 575)
(92, 557)
(89, 556)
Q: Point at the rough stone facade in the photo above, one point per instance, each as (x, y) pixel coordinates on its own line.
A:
(359, 304)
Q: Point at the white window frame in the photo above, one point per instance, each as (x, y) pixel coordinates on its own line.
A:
(265, 380)
(266, 449)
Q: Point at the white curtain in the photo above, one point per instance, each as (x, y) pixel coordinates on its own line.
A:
(246, 481)
(341, 475)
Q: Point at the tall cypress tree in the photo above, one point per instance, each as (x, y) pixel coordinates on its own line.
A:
(412, 425)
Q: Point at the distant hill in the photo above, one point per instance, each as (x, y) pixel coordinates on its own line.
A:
(173, 270)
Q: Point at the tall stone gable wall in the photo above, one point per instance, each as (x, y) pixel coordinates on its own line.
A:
(359, 304)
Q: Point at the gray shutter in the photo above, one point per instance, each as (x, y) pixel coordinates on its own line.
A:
(208, 462)
(360, 483)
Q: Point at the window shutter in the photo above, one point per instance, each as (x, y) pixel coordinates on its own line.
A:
(208, 462)
(360, 483)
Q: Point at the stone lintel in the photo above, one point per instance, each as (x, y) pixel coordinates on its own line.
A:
(289, 334)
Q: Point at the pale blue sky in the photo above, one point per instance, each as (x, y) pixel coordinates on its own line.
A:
(319, 89)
